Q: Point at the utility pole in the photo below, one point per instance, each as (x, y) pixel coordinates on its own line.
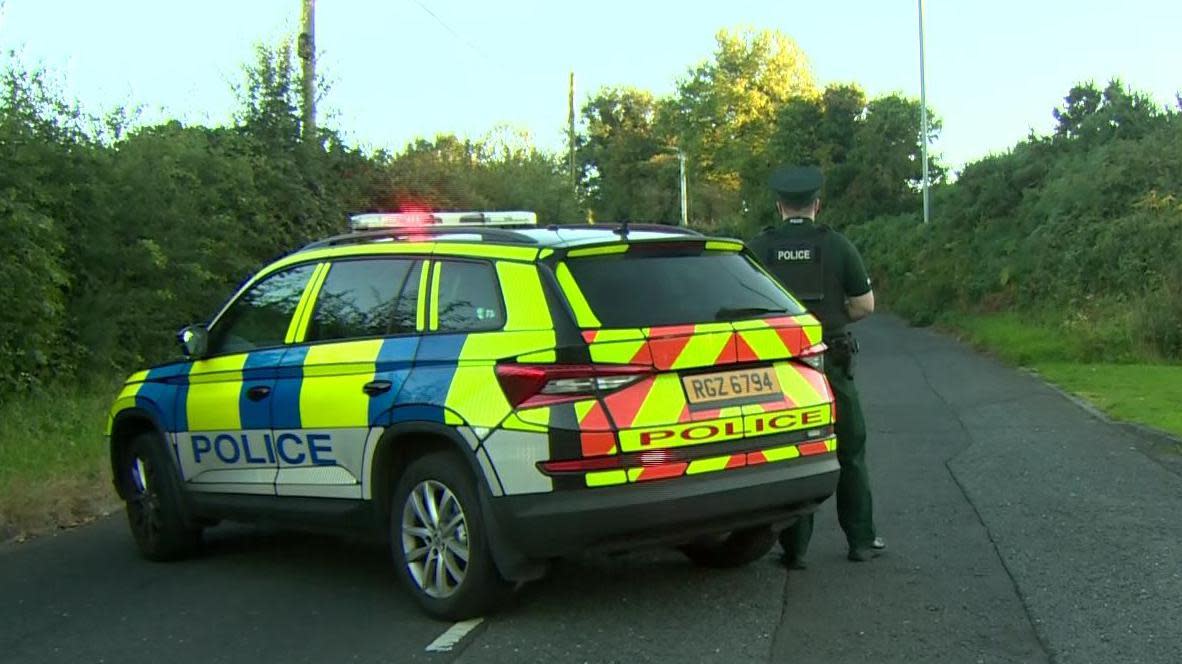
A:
(570, 101)
(684, 202)
(923, 115)
(306, 48)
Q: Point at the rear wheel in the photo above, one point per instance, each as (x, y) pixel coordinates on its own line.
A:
(153, 495)
(734, 549)
(439, 543)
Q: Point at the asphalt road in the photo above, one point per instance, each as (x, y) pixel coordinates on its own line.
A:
(1021, 529)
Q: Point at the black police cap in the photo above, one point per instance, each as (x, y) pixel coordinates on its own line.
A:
(797, 185)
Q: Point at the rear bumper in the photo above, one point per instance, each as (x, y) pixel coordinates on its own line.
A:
(538, 526)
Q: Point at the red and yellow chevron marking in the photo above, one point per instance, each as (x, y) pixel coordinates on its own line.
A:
(673, 347)
(711, 464)
(775, 338)
(624, 346)
(596, 434)
(691, 346)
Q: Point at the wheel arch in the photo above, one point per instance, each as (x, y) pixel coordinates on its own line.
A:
(402, 443)
(125, 427)
(406, 441)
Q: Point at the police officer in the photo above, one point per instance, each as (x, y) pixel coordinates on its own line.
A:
(825, 272)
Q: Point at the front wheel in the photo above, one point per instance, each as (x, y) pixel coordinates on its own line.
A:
(438, 540)
(154, 501)
(735, 549)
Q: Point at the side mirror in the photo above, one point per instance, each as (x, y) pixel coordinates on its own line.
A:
(194, 341)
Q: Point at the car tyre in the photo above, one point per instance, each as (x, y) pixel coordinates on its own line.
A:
(439, 543)
(734, 549)
(154, 502)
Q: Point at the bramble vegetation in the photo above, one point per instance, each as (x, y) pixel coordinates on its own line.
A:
(117, 237)
(1080, 231)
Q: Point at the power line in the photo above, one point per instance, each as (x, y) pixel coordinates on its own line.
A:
(447, 27)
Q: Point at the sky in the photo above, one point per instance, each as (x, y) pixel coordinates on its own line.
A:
(401, 69)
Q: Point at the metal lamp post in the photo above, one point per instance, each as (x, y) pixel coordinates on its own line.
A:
(684, 201)
(923, 117)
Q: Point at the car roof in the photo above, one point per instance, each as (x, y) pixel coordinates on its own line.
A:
(549, 237)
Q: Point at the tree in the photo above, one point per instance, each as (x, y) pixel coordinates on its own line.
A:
(1081, 102)
(627, 167)
(844, 108)
(1096, 116)
(269, 97)
(435, 175)
(883, 171)
(513, 174)
(724, 113)
(502, 171)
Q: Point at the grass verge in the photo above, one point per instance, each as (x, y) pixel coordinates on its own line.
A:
(1143, 393)
(1104, 373)
(53, 461)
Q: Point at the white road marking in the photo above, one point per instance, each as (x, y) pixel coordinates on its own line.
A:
(453, 635)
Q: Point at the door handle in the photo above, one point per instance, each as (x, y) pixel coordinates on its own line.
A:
(376, 387)
(258, 393)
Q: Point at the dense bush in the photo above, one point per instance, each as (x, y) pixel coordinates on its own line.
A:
(113, 239)
(1084, 227)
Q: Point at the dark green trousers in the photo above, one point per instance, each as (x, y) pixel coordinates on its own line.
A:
(855, 508)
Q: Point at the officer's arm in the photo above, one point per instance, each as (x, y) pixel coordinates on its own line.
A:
(856, 282)
(860, 306)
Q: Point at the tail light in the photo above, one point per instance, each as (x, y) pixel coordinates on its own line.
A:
(813, 356)
(544, 384)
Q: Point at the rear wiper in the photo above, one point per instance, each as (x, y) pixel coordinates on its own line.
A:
(727, 313)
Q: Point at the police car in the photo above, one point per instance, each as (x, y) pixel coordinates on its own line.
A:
(487, 395)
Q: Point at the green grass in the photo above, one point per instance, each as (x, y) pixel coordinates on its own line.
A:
(1092, 359)
(53, 460)
(1016, 339)
(1145, 393)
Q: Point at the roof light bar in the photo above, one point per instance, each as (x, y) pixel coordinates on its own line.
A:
(374, 221)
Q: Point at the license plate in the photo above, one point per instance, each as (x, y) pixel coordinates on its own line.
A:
(732, 388)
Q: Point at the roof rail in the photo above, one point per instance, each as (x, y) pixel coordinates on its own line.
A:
(618, 227)
(500, 234)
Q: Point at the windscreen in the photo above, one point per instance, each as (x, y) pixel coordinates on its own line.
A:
(631, 290)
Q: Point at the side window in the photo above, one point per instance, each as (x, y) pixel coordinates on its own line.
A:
(260, 317)
(469, 297)
(366, 298)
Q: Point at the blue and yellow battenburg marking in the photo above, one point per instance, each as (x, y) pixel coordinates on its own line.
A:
(438, 377)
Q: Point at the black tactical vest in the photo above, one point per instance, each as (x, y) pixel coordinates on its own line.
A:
(799, 263)
(796, 255)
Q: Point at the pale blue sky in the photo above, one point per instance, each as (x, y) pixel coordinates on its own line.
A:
(995, 69)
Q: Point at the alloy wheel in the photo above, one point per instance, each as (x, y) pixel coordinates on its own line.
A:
(435, 539)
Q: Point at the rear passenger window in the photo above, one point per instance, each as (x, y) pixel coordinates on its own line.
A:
(469, 298)
(366, 298)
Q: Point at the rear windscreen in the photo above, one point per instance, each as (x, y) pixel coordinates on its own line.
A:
(656, 289)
